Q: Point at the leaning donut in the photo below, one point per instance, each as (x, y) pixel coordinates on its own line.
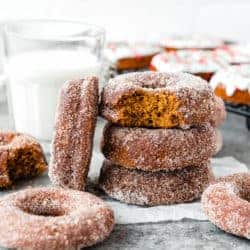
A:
(74, 131)
(226, 204)
(158, 149)
(158, 100)
(53, 218)
(154, 188)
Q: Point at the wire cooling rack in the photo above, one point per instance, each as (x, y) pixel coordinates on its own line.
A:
(240, 109)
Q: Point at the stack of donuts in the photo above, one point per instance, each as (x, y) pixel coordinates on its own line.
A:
(159, 137)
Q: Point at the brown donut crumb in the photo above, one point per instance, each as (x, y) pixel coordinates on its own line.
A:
(21, 157)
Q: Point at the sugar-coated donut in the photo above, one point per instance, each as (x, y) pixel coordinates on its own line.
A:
(227, 204)
(155, 99)
(220, 113)
(154, 188)
(21, 156)
(158, 149)
(74, 131)
(233, 84)
(219, 142)
(130, 56)
(53, 218)
(198, 62)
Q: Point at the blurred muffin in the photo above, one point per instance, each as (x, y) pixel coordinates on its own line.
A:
(235, 54)
(197, 62)
(130, 56)
(202, 42)
(232, 84)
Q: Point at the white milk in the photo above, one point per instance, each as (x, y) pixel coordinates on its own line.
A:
(35, 80)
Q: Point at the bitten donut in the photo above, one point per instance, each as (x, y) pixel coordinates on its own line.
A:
(130, 56)
(158, 149)
(227, 204)
(21, 156)
(155, 99)
(154, 188)
(233, 84)
(198, 62)
(53, 218)
(74, 131)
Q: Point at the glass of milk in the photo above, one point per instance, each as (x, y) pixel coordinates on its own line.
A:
(40, 55)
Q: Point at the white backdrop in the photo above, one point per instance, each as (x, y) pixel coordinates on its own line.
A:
(142, 19)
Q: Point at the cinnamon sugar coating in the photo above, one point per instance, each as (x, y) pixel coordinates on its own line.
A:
(158, 149)
(220, 113)
(219, 141)
(154, 188)
(21, 157)
(53, 218)
(156, 99)
(227, 204)
(74, 131)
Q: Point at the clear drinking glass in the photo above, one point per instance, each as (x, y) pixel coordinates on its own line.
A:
(40, 55)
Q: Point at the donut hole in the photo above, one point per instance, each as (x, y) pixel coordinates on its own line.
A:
(44, 205)
(149, 109)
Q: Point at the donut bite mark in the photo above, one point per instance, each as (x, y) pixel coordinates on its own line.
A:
(74, 131)
(157, 100)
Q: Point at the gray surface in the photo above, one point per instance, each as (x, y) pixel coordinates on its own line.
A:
(185, 234)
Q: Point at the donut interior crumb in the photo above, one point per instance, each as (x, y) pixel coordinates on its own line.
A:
(151, 110)
(22, 164)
